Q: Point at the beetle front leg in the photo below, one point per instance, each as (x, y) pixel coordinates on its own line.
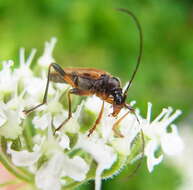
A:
(97, 121)
(116, 124)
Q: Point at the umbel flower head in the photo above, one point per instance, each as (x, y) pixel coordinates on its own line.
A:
(33, 153)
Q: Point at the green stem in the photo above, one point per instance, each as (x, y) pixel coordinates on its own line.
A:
(12, 182)
(3, 144)
(25, 171)
(8, 165)
(27, 133)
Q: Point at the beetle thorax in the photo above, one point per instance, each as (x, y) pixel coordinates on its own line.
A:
(110, 86)
(115, 90)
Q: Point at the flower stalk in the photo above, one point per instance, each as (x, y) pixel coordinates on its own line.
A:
(24, 176)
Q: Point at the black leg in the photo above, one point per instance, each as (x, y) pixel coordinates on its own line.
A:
(59, 70)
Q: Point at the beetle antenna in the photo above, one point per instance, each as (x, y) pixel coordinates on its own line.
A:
(142, 156)
(142, 139)
(132, 111)
(140, 46)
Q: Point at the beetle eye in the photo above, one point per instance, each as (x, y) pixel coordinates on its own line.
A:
(118, 99)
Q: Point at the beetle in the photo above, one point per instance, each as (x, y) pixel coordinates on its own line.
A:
(89, 81)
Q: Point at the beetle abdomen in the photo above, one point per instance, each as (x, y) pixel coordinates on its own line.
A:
(84, 83)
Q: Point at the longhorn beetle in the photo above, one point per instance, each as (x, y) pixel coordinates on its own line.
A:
(88, 82)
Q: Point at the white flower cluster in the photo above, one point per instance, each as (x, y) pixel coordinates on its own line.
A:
(70, 157)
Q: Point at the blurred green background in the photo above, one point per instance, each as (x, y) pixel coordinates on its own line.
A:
(92, 34)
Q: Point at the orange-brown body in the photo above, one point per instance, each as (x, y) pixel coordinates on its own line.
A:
(88, 82)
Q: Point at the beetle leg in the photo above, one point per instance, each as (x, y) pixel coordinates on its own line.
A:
(116, 124)
(75, 91)
(69, 112)
(61, 72)
(97, 121)
(132, 110)
(110, 100)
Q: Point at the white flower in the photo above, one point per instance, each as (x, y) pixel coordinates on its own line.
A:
(63, 140)
(103, 154)
(183, 162)
(150, 149)
(48, 176)
(42, 122)
(3, 117)
(59, 165)
(10, 122)
(171, 142)
(94, 104)
(24, 72)
(24, 157)
(7, 80)
(46, 59)
(157, 132)
(67, 156)
(75, 167)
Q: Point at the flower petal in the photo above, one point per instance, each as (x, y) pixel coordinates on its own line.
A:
(171, 143)
(103, 154)
(150, 149)
(46, 59)
(11, 128)
(48, 176)
(42, 122)
(24, 158)
(64, 140)
(75, 168)
(3, 118)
